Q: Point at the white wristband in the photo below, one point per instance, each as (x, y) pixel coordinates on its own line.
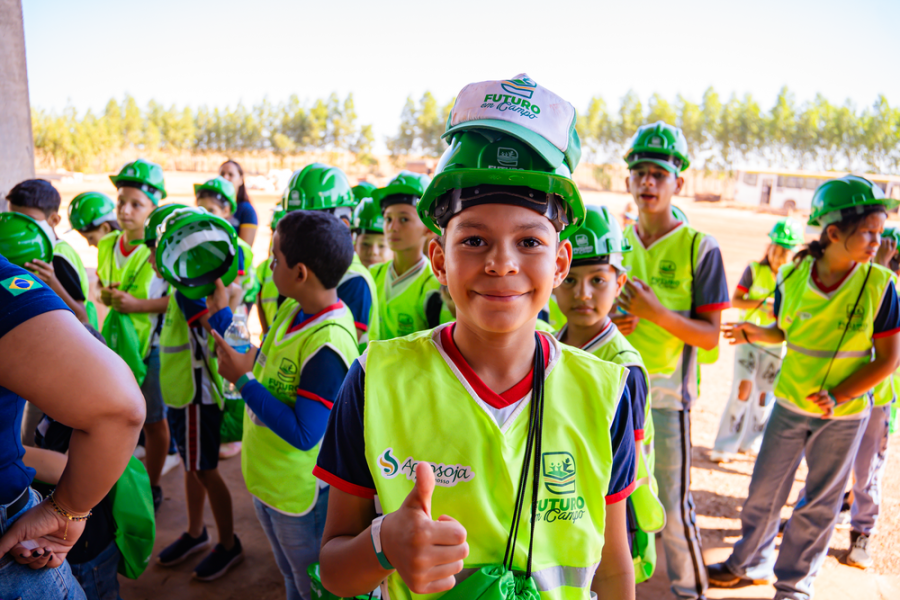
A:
(376, 543)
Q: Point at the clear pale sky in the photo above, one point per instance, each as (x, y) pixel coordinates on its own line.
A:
(218, 53)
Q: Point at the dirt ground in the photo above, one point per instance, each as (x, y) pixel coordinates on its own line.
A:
(719, 490)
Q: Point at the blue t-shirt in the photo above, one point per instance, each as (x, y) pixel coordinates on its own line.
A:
(245, 215)
(22, 297)
(355, 293)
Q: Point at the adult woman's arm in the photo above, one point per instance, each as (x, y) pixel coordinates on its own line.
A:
(247, 232)
(56, 364)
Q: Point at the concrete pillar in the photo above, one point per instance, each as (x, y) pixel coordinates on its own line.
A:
(16, 142)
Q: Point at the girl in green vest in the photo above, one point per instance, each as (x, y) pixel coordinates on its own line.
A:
(586, 298)
(455, 434)
(839, 315)
(132, 289)
(755, 366)
(93, 215)
(408, 294)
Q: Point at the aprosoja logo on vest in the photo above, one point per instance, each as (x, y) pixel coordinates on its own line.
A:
(444, 475)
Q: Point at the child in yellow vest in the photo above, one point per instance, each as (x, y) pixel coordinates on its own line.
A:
(130, 287)
(289, 386)
(839, 316)
(409, 297)
(511, 439)
(755, 367)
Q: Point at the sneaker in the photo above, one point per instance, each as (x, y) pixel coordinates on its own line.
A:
(219, 561)
(182, 548)
(843, 519)
(229, 449)
(172, 461)
(720, 576)
(720, 456)
(156, 492)
(859, 556)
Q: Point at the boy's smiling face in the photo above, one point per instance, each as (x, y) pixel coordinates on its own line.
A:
(500, 263)
(588, 292)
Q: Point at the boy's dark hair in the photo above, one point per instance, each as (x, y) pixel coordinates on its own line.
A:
(217, 198)
(114, 226)
(849, 223)
(318, 240)
(35, 193)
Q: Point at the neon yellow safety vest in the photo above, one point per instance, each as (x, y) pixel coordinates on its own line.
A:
(268, 292)
(108, 271)
(478, 464)
(275, 472)
(665, 268)
(357, 269)
(63, 249)
(137, 275)
(404, 313)
(886, 392)
(178, 361)
(763, 287)
(248, 280)
(813, 324)
(557, 318)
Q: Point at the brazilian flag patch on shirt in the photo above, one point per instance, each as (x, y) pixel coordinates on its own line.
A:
(20, 284)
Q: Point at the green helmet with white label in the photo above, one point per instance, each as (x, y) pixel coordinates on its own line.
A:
(660, 144)
(368, 218)
(89, 209)
(599, 240)
(153, 221)
(838, 199)
(406, 188)
(787, 233)
(144, 175)
(219, 189)
(319, 187)
(363, 190)
(194, 248)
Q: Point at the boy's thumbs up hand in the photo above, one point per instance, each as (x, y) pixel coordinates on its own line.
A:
(426, 553)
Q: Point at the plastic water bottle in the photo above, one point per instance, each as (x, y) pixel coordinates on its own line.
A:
(238, 337)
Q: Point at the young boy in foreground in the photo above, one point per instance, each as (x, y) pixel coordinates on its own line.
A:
(463, 397)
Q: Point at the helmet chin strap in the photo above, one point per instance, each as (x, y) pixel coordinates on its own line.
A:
(457, 200)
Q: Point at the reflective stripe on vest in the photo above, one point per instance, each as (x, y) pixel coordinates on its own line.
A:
(665, 268)
(813, 324)
(404, 313)
(266, 459)
(478, 463)
(178, 363)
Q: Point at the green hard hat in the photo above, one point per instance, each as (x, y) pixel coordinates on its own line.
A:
(277, 214)
(219, 188)
(407, 186)
(892, 233)
(363, 190)
(23, 240)
(479, 160)
(89, 209)
(787, 233)
(368, 217)
(154, 220)
(837, 195)
(194, 248)
(599, 236)
(679, 214)
(143, 175)
(317, 187)
(660, 144)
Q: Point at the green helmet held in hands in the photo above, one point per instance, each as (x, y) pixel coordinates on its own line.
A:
(89, 209)
(194, 248)
(154, 220)
(406, 188)
(363, 190)
(892, 233)
(319, 187)
(787, 233)
(22, 240)
(143, 175)
(218, 188)
(660, 144)
(367, 217)
(599, 240)
(482, 163)
(834, 197)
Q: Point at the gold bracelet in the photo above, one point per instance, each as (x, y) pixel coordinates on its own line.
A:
(68, 516)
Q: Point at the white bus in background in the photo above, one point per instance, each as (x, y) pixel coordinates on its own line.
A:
(793, 190)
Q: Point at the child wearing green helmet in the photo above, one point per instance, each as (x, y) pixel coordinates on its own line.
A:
(524, 445)
(408, 293)
(138, 299)
(671, 307)
(839, 316)
(586, 297)
(368, 225)
(93, 215)
(755, 365)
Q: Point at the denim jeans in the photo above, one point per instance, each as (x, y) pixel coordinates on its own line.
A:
(295, 542)
(681, 536)
(830, 447)
(21, 582)
(99, 578)
(868, 469)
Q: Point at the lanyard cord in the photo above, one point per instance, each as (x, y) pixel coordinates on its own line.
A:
(758, 306)
(532, 452)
